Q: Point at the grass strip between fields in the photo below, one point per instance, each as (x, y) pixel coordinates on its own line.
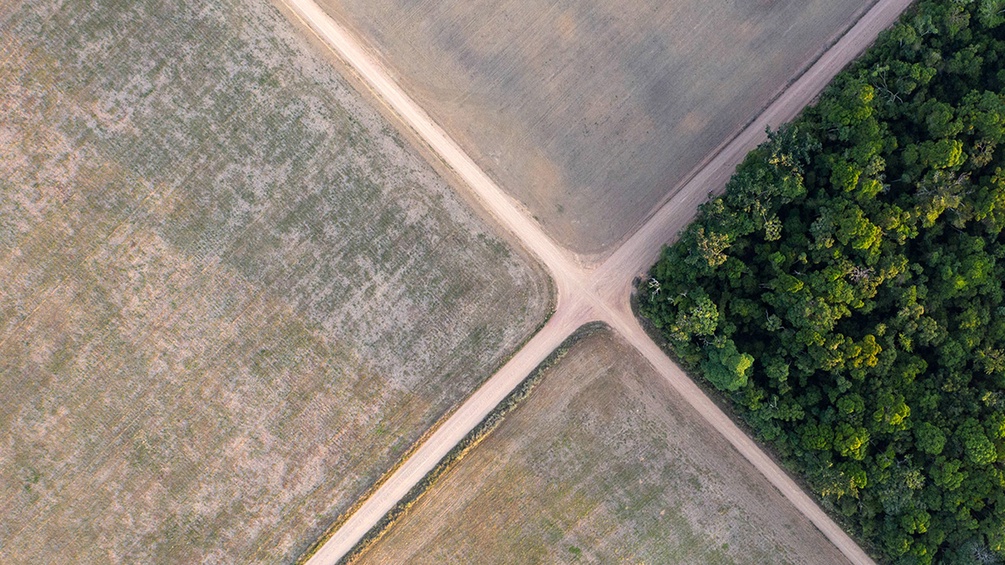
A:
(470, 441)
(323, 538)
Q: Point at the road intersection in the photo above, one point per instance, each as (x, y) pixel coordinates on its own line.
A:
(585, 293)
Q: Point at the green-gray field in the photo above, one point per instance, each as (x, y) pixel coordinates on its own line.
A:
(229, 297)
(603, 463)
(590, 112)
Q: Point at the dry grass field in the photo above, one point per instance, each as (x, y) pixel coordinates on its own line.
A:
(603, 463)
(590, 112)
(229, 297)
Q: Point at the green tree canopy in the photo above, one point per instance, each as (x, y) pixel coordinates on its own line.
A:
(847, 292)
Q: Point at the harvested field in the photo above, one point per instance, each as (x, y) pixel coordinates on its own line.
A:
(591, 112)
(603, 463)
(229, 296)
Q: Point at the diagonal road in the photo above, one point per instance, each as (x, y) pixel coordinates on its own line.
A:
(586, 294)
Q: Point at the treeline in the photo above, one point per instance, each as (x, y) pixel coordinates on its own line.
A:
(847, 290)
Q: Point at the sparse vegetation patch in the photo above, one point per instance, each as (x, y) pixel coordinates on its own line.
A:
(229, 298)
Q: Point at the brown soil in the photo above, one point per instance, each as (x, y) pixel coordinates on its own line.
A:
(604, 463)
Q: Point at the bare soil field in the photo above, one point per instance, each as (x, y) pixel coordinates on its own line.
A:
(603, 463)
(591, 112)
(230, 298)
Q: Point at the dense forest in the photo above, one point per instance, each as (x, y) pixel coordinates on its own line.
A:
(846, 293)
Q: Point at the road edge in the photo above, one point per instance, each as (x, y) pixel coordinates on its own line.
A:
(595, 259)
(473, 438)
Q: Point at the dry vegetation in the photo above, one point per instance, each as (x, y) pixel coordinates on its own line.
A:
(590, 112)
(603, 463)
(229, 297)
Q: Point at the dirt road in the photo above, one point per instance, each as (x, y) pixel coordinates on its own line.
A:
(586, 294)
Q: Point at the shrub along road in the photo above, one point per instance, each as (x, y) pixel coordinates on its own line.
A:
(586, 293)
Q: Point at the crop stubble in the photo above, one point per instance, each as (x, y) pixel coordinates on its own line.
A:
(590, 112)
(230, 297)
(603, 463)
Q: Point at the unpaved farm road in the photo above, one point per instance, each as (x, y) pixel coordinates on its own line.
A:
(591, 293)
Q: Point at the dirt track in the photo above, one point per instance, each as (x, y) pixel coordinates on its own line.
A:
(542, 482)
(593, 293)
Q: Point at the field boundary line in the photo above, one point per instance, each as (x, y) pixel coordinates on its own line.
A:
(505, 210)
(479, 433)
(596, 259)
(419, 441)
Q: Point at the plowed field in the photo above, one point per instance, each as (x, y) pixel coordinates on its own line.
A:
(592, 112)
